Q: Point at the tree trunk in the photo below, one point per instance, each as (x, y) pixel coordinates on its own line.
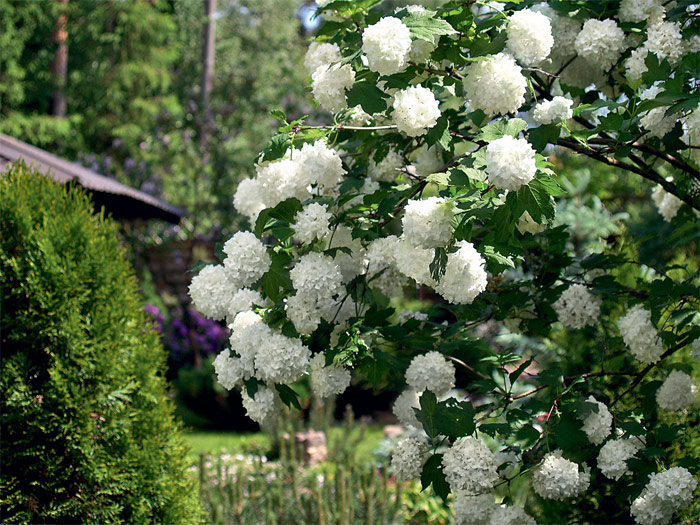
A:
(208, 76)
(59, 66)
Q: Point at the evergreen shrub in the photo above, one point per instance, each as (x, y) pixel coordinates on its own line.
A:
(88, 433)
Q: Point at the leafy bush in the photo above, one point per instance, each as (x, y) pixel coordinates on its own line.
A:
(87, 429)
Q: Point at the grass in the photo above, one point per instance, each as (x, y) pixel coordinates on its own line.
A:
(258, 443)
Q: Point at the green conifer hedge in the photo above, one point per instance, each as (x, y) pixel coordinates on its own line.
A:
(87, 429)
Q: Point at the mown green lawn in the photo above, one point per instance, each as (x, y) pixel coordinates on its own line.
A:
(258, 443)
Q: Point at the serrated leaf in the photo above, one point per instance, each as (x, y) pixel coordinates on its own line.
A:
(426, 413)
(455, 419)
(367, 95)
(439, 133)
(433, 475)
(496, 261)
(279, 115)
(423, 25)
(540, 136)
(502, 127)
(288, 396)
(438, 264)
(276, 280)
(276, 147)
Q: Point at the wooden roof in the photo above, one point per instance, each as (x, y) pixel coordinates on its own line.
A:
(121, 201)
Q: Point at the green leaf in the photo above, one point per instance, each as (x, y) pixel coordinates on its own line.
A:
(496, 261)
(515, 374)
(569, 437)
(455, 419)
(276, 280)
(251, 386)
(438, 264)
(540, 136)
(501, 127)
(424, 26)
(277, 147)
(535, 198)
(439, 133)
(288, 396)
(367, 95)
(433, 475)
(426, 413)
(280, 115)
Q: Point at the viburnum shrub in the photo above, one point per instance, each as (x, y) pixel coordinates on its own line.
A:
(434, 181)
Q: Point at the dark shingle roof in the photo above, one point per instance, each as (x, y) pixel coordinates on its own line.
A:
(122, 201)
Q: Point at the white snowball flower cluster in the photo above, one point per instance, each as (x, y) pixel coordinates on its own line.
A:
(229, 370)
(470, 466)
(640, 10)
(427, 160)
(246, 259)
(321, 54)
(387, 45)
(328, 84)
(211, 291)
(529, 36)
(667, 203)
(328, 380)
(321, 167)
(408, 459)
(473, 510)
(635, 65)
(386, 169)
(281, 359)
(614, 454)
(558, 478)
(640, 336)
(314, 169)
(577, 307)
(248, 199)
(266, 354)
(431, 371)
(381, 257)
(510, 163)
(465, 275)
(426, 223)
(282, 179)
(526, 224)
(600, 42)
(414, 262)
(407, 315)
(243, 300)
(495, 85)
(553, 111)
(677, 392)
(420, 51)
(666, 493)
(695, 350)
(597, 425)
(319, 285)
(353, 264)
(665, 40)
(415, 110)
(564, 29)
(655, 120)
(511, 515)
(311, 223)
(403, 408)
(261, 406)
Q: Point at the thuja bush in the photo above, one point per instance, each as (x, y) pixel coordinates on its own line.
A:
(87, 428)
(434, 181)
